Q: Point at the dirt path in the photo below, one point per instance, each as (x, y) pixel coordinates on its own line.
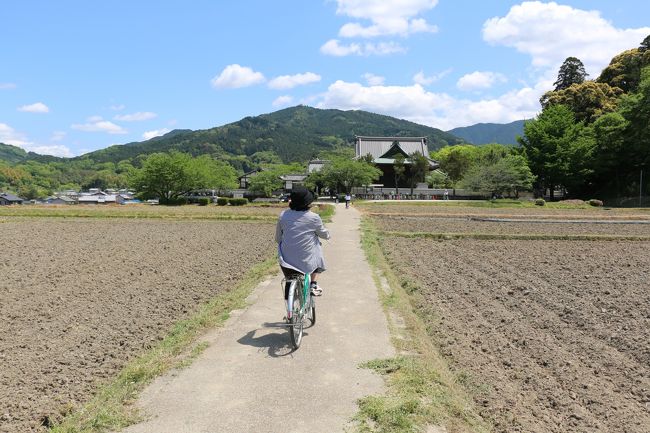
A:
(248, 380)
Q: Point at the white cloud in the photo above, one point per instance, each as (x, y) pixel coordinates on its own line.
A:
(550, 33)
(374, 80)
(7, 86)
(118, 107)
(387, 17)
(136, 117)
(155, 133)
(283, 101)
(54, 150)
(334, 48)
(236, 76)
(37, 107)
(291, 81)
(8, 135)
(438, 110)
(97, 124)
(480, 80)
(58, 135)
(423, 80)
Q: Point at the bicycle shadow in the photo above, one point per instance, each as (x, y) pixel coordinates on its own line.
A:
(277, 343)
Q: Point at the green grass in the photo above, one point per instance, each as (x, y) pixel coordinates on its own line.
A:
(421, 389)
(326, 212)
(112, 407)
(493, 204)
(132, 213)
(530, 236)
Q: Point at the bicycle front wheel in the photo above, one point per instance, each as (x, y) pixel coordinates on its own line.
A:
(296, 324)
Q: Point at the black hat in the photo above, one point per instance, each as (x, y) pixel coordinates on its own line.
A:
(300, 198)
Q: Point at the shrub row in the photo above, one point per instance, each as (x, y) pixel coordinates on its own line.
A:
(222, 201)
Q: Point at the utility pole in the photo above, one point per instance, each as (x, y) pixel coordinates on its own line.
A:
(641, 167)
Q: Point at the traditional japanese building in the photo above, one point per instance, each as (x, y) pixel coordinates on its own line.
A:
(382, 151)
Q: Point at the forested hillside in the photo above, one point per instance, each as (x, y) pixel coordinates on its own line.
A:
(292, 135)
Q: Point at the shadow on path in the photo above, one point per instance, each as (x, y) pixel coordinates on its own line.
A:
(277, 343)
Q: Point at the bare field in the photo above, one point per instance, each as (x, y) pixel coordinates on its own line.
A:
(80, 297)
(559, 226)
(551, 335)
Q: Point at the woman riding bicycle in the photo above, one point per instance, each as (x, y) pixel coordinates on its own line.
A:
(297, 234)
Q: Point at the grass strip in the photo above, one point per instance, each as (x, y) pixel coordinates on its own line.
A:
(112, 407)
(517, 217)
(44, 213)
(494, 204)
(421, 389)
(522, 236)
(326, 211)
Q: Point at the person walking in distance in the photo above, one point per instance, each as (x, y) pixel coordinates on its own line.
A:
(348, 199)
(297, 234)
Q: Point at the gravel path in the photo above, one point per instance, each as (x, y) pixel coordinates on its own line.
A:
(249, 380)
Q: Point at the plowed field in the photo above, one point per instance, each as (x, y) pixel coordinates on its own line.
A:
(549, 335)
(80, 297)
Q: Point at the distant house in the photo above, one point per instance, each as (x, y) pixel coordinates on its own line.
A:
(245, 178)
(384, 150)
(59, 200)
(316, 165)
(7, 199)
(291, 180)
(101, 199)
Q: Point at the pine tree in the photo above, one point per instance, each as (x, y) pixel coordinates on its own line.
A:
(571, 72)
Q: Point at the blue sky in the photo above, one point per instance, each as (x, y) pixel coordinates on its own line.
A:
(77, 76)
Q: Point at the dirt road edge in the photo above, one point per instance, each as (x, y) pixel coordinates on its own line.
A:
(422, 391)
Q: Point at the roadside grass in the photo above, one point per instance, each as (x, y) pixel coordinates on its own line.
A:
(140, 212)
(252, 212)
(421, 391)
(514, 236)
(113, 406)
(326, 211)
(494, 204)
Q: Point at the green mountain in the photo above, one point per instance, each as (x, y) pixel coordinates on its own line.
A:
(486, 133)
(14, 155)
(294, 134)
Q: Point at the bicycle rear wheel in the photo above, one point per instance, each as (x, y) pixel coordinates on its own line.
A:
(296, 324)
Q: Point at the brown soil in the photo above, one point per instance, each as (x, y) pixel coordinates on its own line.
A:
(552, 336)
(465, 225)
(80, 297)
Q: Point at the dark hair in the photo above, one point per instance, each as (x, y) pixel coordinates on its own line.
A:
(300, 199)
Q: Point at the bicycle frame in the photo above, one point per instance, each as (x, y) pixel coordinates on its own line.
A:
(302, 296)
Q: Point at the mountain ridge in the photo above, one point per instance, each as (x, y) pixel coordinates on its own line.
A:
(486, 133)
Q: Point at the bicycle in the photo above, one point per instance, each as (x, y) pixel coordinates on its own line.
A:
(300, 306)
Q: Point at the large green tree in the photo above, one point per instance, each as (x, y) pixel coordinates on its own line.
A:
(571, 72)
(343, 174)
(558, 149)
(169, 176)
(587, 100)
(506, 175)
(418, 169)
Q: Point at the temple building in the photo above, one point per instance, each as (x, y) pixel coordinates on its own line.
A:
(383, 150)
